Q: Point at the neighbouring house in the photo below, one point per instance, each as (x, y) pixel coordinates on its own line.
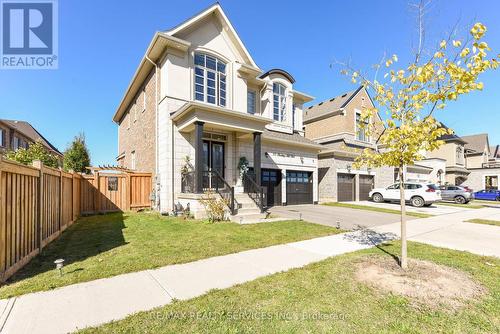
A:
(16, 134)
(335, 125)
(197, 104)
(482, 161)
(448, 161)
(477, 150)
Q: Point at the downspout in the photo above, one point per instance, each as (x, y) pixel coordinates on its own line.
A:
(157, 193)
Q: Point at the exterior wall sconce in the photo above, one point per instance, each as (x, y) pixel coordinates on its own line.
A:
(349, 168)
(266, 154)
(369, 170)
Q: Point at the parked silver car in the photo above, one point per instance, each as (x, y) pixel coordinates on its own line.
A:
(456, 194)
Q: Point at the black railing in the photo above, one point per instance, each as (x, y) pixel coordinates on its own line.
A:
(221, 187)
(253, 190)
(212, 181)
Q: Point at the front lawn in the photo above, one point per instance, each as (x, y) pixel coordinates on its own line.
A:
(325, 297)
(484, 221)
(107, 245)
(376, 209)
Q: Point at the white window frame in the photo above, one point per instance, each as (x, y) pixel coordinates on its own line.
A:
(2, 144)
(134, 107)
(367, 138)
(220, 77)
(132, 160)
(281, 96)
(15, 143)
(250, 92)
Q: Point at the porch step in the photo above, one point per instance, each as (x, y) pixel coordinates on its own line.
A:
(248, 218)
(248, 211)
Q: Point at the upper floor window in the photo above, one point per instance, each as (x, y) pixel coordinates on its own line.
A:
(362, 128)
(279, 102)
(460, 155)
(294, 106)
(209, 80)
(144, 97)
(15, 145)
(132, 160)
(2, 137)
(251, 102)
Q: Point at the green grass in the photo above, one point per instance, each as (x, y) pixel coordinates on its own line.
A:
(485, 221)
(486, 202)
(464, 206)
(107, 245)
(377, 209)
(278, 302)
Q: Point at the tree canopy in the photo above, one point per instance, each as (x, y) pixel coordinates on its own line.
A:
(76, 156)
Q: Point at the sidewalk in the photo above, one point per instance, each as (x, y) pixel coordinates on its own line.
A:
(92, 303)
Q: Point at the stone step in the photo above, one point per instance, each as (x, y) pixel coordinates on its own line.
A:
(248, 211)
(247, 218)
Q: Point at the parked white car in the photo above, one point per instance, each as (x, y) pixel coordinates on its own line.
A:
(417, 194)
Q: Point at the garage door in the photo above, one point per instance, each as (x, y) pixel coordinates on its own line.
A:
(366, 183)
(299, 187)
(345, 187)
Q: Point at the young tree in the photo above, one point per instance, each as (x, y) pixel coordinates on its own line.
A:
(35, 151)
(76, 156)
(411, 95)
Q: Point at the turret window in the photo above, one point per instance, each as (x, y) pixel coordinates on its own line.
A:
(279, 102)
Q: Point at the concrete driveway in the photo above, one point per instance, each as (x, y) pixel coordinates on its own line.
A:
(349, 219)
(435, 210)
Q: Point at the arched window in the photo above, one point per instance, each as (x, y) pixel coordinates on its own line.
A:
(209, 79)
(279, 106)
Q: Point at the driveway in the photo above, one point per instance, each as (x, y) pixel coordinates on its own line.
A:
(349, 219)
(435, 210)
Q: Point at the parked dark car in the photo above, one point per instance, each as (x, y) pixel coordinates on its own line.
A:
(456, 194)
(489, 195)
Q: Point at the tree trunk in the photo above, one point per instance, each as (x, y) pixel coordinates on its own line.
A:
(403, 261)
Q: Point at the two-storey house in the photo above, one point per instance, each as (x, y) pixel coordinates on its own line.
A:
(16, 134)
(336, 124)
(198, 105)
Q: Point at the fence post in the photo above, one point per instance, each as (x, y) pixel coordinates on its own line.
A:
(3, 223)
(128, 193)
(98, 193)
(39, 216)
(60, 198)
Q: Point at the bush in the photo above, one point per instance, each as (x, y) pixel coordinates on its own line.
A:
(35, 151)
(214, 206)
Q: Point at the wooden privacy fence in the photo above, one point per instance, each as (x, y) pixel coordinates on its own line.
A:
(37, 203)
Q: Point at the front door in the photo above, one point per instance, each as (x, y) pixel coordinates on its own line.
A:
(271, 181)
(213, 159)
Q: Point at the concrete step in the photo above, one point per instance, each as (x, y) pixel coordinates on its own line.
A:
(247, 218)
(248, 211)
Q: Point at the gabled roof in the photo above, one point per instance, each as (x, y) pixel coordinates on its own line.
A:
(216, 10)
(30, 132)
(331, 105)
(452, 137)
(495, 151)
(476, 143)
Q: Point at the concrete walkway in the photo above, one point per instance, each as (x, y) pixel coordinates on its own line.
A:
(89, 304)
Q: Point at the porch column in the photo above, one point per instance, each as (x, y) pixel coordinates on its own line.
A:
(257, 156)
(198, 157)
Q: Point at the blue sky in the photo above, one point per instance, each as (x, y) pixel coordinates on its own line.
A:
(102, 42)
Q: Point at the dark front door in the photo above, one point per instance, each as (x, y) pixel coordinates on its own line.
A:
(366, 183)
(271, 181)
(345, 187)
(213, 159)
(299, 187)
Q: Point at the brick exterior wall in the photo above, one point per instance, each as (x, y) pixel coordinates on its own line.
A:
(341, 123)
(137, 129)
(8, 138)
